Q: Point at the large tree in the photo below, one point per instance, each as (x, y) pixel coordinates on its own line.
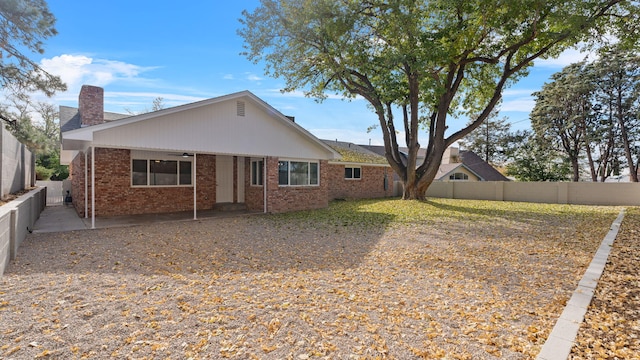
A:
(618, 90)
(562, 112)
(24, 25)
(424, 60)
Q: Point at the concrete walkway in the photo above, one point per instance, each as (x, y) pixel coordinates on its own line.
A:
(58, 219)
(65, 218)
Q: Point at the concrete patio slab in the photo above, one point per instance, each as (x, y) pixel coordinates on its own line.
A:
(65, 218)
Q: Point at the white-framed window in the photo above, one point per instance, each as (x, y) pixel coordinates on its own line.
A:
(298, 173)
(161, 172)
(458, 176)
(257, 172)
(352, 173)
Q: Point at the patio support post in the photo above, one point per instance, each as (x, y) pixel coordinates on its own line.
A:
(93, 187)
(86, 184)
(265, 181)
(195, 194)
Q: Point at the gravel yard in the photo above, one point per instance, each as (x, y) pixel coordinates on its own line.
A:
(611, 329)
(372, 279)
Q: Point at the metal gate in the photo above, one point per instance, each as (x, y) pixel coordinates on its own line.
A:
(55, 192)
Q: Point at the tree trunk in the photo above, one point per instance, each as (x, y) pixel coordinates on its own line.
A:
(592, 167)
(417, 190)
(412, 192)
(633, 173)
(576, 169)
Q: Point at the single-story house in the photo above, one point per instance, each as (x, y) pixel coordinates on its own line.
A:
(226, 152)
(232, 149)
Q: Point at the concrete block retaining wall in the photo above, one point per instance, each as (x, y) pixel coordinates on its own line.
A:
(16, 218)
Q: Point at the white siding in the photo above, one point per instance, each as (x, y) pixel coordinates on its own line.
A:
(216, 129)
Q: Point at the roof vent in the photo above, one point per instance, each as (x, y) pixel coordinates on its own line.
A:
(240, 108)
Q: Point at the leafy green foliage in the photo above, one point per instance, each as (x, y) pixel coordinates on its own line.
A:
(563, 109)
(423, 60)
(617, 84)
(24, 25)
(592, 110)
(534, 160)
(42, 137)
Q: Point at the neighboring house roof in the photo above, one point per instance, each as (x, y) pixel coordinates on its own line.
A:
(470, 160)
(446, 170)
(219, 125)
(356, 154)
(484, 170)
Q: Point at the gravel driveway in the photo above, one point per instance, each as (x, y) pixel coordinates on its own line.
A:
(267, 287)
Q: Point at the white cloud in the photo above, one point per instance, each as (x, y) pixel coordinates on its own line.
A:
(566, 58)
(523, 104)
(253, 77)
(152, 95)
(228, 77)
(518, 92)
(76, 70)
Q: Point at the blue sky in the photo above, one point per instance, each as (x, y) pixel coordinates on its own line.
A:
(189, 51)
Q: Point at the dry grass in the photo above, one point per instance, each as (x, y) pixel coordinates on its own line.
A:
(367, 279)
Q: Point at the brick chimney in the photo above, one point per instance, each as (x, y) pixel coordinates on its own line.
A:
(91, 105)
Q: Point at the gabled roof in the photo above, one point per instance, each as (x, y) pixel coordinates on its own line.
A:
(470, 160)
(356, 154)
(484, 170)
(214, 126)
(445, 170)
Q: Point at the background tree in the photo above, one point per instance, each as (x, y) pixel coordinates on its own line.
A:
(618, 92)
(563, 109)
(535, 159)
(420, 61)
(490, 139)
(157, 104)
(24, 25)
(36, 125)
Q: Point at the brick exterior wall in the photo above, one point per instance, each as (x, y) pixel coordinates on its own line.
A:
(116, 196)
(292, 198)
(91, 105)
(76, 173)
(370, 185)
